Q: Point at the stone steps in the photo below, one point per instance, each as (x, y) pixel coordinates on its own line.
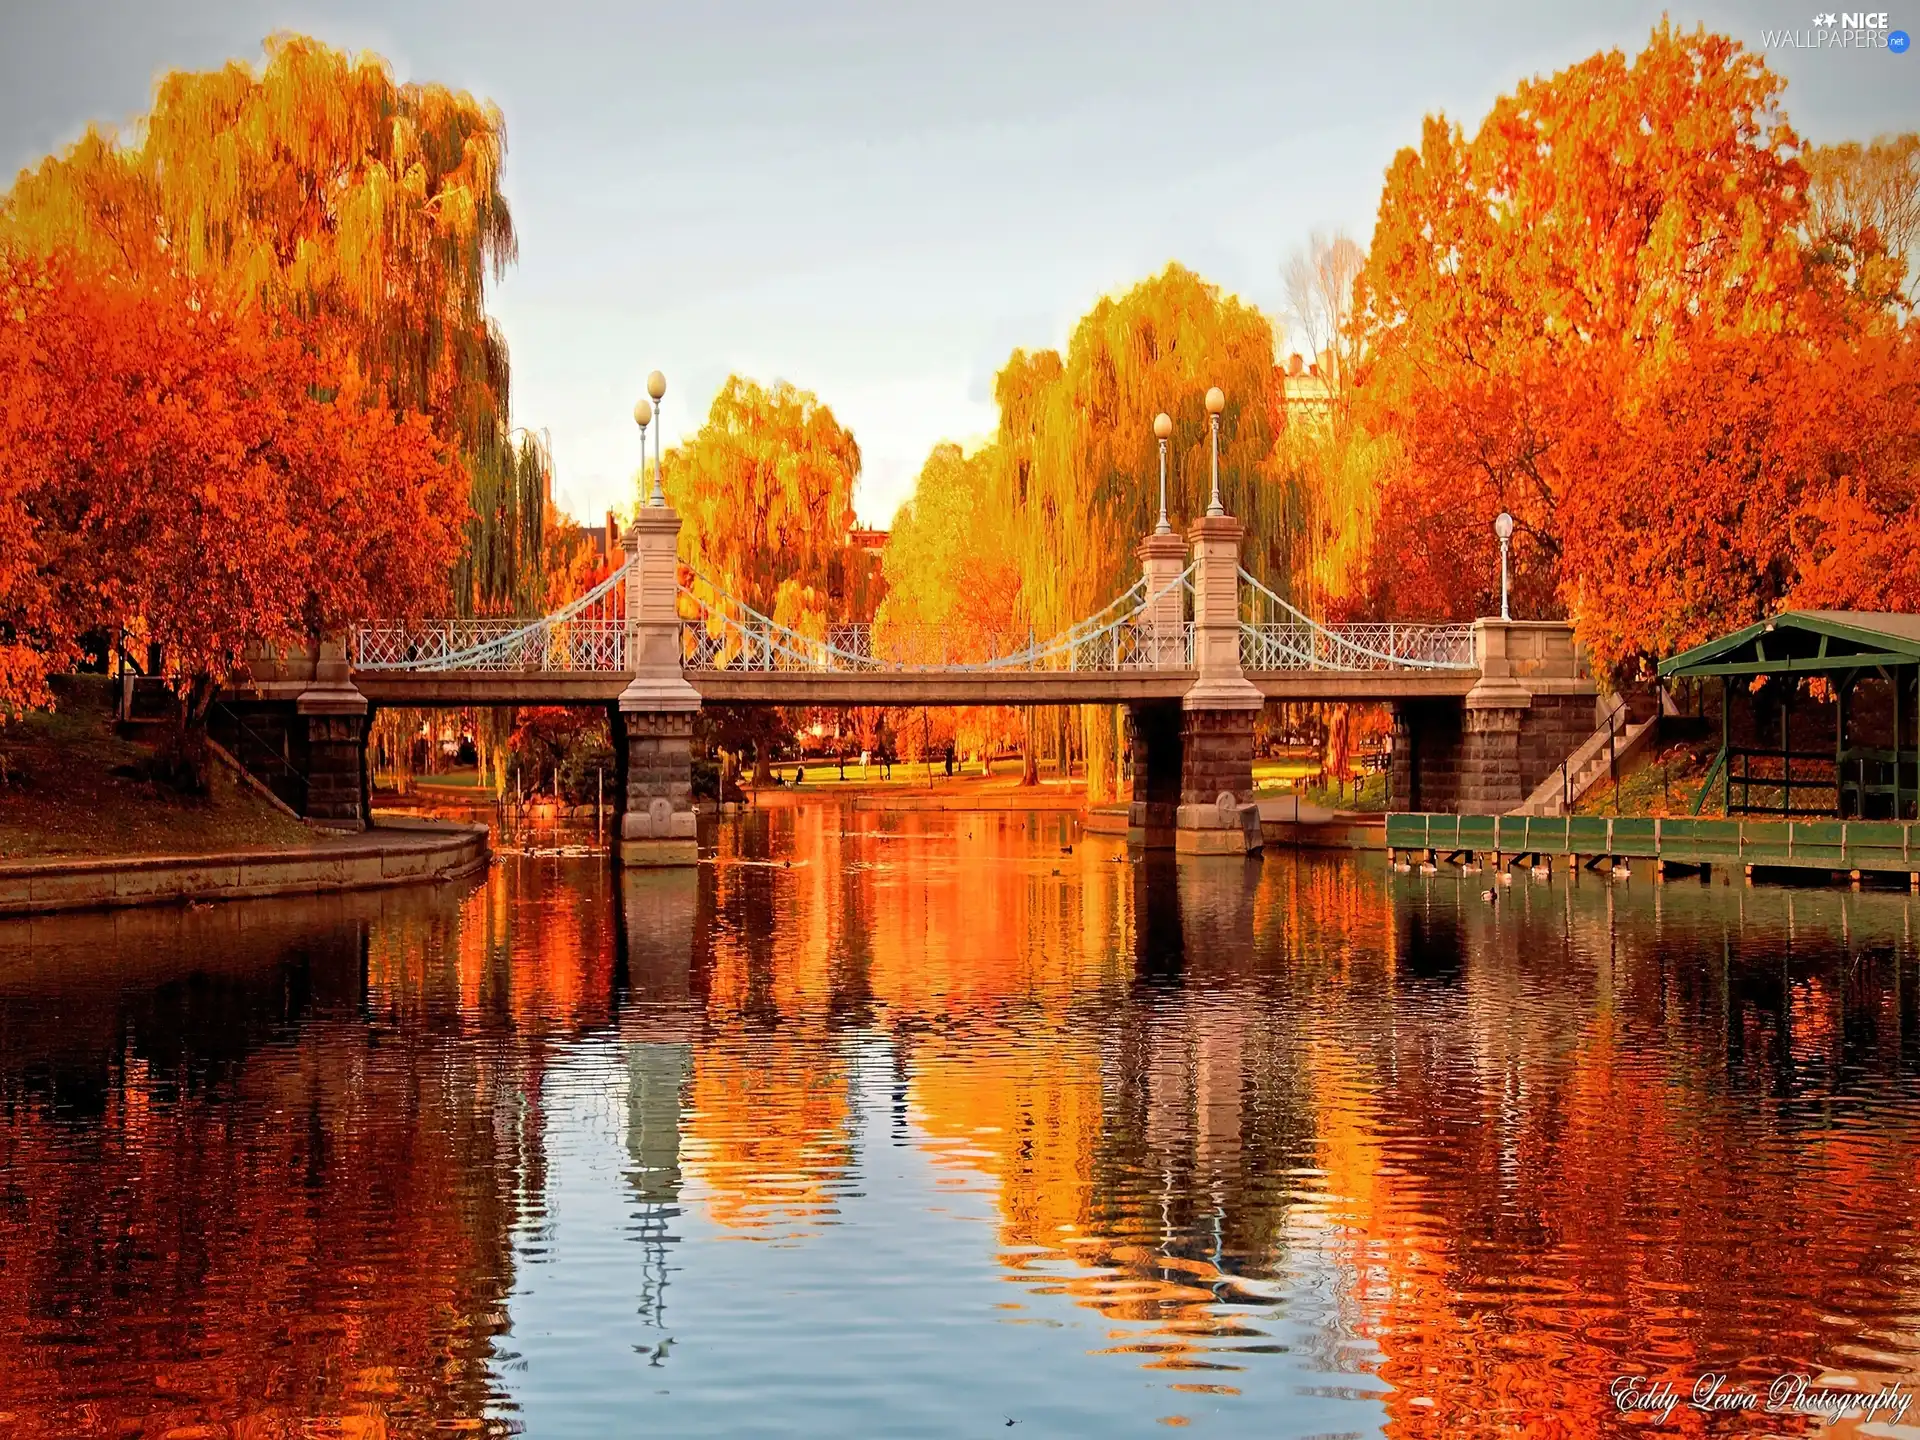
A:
(1587, 766)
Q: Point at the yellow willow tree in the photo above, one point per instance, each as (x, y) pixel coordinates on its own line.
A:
(1078, 471)
(319, 185)
(952, 587)
(765, 494)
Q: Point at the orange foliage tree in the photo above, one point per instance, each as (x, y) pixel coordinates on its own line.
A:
(1585, 315)
(318, 185)
(232, 483)
(1076, 466)
(952, 588)
(765, 494)
(1757, 476)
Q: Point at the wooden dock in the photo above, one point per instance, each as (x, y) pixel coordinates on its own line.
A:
(1848, 848)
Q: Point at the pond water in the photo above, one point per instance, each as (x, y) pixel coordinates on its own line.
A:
(955, 1125)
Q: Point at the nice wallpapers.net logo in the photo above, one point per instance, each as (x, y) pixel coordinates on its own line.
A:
(1841, 30)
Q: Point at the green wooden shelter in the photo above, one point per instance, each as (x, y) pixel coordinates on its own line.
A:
(1871, 663)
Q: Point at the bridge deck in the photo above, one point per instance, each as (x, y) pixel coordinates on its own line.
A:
(428, 688)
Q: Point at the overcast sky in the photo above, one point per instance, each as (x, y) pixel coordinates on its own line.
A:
(879, 201)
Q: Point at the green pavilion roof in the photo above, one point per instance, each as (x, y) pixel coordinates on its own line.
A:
(1805, 642)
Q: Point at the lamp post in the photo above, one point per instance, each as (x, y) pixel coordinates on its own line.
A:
(1503, 527)
(657, 388)
(642, 415)
(1216, 402)
(1162, 428)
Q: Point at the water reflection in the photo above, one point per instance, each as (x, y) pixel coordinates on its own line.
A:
(872, 1108)
(237, 1182)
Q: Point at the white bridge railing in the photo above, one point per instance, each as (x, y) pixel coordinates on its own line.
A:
(1134, 632)
(1276, 636)
(588, 634)
(1125, 634)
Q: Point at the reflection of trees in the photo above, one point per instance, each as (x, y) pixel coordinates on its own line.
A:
(1514, 1148)
(1201, 1107)
(266, 1160)
(1522, 1145)
(1002, 962)
(1580, 1150)
(766, 1133)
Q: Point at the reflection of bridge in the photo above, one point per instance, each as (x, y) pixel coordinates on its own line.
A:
(1194, 647)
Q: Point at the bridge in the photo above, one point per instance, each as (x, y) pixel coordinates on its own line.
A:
(1137, 647)
(1193, 647)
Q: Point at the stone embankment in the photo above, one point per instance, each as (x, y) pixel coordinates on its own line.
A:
(399, 851)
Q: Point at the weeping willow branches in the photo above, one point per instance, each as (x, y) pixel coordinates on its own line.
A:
(320, 186)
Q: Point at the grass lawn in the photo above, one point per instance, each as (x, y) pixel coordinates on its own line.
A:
(1666, 785)
(1283, 775)
(825, 774)
(1303, 778)
(469, 778)
(59, 795)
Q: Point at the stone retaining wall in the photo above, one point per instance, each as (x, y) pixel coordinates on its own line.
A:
(397, 854)
(1551, 729)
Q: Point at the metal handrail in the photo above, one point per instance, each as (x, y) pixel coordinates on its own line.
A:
(374, 645)
(575, 638)
(763, 643)
(1300, 638)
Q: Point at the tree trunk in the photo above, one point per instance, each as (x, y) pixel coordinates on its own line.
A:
(182, 761)
(1029, 762)
(393, 735)
(1097, 739)
(762, 765)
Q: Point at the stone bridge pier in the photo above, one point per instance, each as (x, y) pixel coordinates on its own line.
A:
(1193, 759)
(300, 727)
(1532, 706)
(653, 721)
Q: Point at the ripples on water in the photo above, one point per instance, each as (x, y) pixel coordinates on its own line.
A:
(917, 1125)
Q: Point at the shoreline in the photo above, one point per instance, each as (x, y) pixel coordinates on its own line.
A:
(401, 850)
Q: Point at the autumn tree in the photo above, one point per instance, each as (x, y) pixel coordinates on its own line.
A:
(952, 587)
(1079, 479)
(950, 579)
(170, 455)
(1077, 472)
(765, 494)
(1864, 212)
(1598, 224)
(1757, 477)
(1635, 314)
(318, 186)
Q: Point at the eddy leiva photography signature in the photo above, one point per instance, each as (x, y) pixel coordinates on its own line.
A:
(1792, 1394)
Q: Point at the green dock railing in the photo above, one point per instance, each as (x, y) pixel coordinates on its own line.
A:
(1877, 845)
